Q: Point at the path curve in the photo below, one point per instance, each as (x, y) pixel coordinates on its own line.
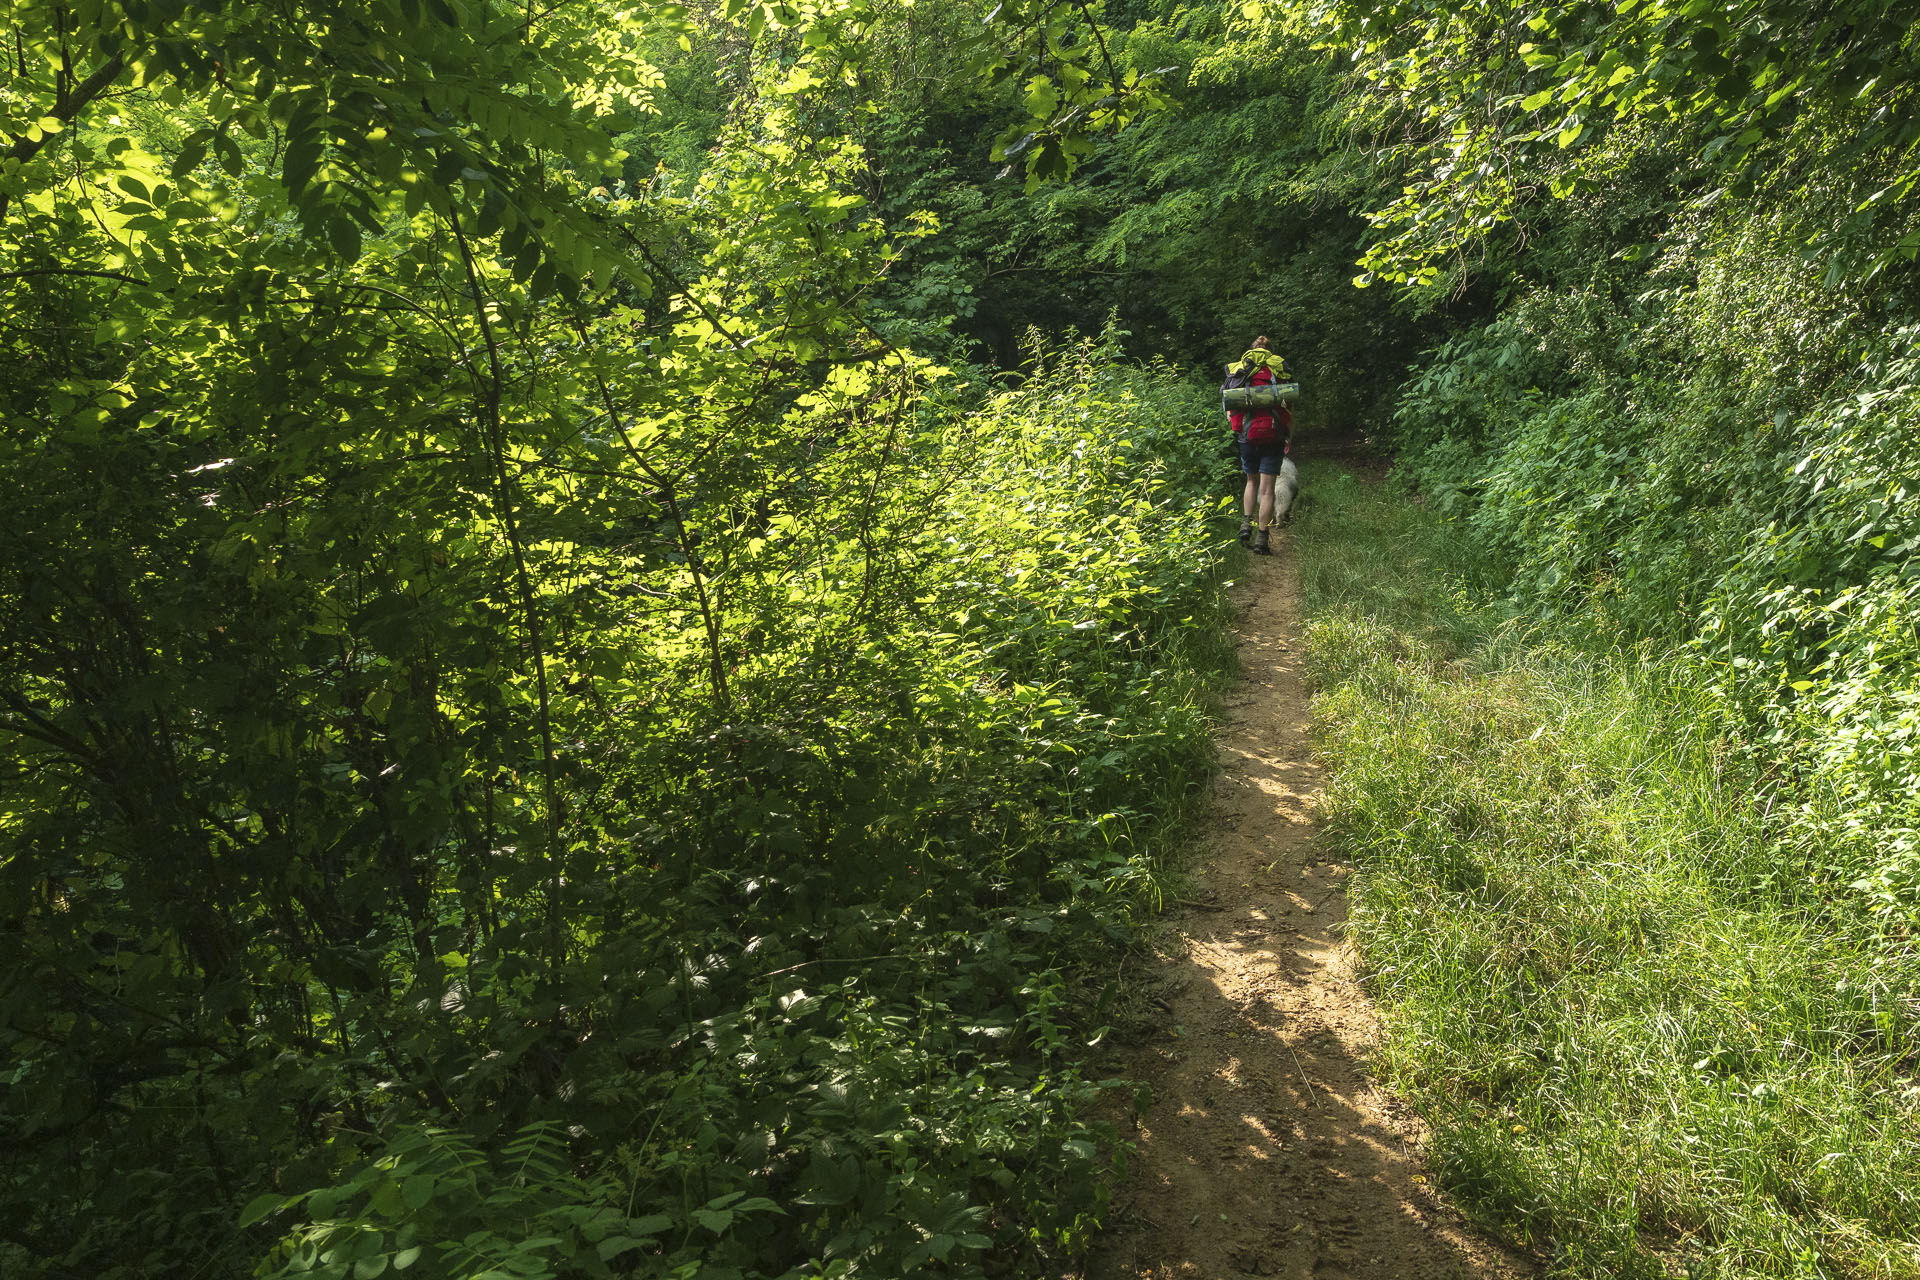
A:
(1265, 1150)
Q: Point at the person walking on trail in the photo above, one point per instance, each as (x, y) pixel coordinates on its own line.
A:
(1265, 439)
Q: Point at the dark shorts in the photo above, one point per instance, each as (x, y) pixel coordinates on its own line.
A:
(1262, 457)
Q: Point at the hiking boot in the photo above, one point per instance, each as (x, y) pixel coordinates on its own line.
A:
(1246, 533)
(1260, 545)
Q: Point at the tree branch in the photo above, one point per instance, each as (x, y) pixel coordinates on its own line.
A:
(25, 149)
(65, 271)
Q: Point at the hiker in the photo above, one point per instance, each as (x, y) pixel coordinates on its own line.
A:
(1265, 438)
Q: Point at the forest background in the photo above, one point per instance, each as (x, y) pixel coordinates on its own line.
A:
(608, 610)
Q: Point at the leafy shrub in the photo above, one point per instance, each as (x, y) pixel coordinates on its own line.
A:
(1815, 623)
(841, 1040)
(1722, 461)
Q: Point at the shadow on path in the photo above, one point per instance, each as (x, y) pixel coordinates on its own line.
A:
(1265, 1150)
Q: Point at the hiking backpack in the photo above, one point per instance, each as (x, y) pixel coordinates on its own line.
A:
(1255, 407)
(1239, 391)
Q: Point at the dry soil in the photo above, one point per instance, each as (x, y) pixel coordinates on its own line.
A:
(1265, 1149)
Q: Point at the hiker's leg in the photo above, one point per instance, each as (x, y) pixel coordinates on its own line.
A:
(1261, 538)
(1286, 489)
(1249, 465)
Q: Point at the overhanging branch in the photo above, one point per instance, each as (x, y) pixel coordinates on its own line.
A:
(26, 148)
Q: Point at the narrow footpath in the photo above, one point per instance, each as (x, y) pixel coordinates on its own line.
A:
(1265, 1149)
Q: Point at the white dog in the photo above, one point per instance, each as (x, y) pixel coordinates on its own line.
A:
(1286, 487)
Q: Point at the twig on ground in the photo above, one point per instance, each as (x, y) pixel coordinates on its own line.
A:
(1311, 1091)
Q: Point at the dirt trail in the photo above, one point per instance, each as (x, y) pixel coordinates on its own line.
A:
(1266, 1151)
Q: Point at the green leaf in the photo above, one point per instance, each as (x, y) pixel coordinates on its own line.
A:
(1042, 98)
(302, 162)
(613, 1246)
(714, 1220)
(193, 149)
(260, 1207)
(232, 162)
(344, 234)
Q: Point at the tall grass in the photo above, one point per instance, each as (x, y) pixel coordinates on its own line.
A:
(1646, 1044)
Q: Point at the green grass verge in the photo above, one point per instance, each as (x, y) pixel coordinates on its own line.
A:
(1645, 1045)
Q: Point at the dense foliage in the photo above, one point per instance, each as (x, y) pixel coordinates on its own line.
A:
(1652, 970)
(1693, 414)
(1234, 213)
(540, 739)
(777, 928)
(576, 682)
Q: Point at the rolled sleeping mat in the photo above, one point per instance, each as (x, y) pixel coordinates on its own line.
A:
(1274, 393)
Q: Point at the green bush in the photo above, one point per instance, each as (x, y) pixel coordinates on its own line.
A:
(1724, 464)
(844, 1039)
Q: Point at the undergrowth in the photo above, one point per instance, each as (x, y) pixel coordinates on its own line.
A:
(833, 955)
(1649, 1041)
(855, 1046)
